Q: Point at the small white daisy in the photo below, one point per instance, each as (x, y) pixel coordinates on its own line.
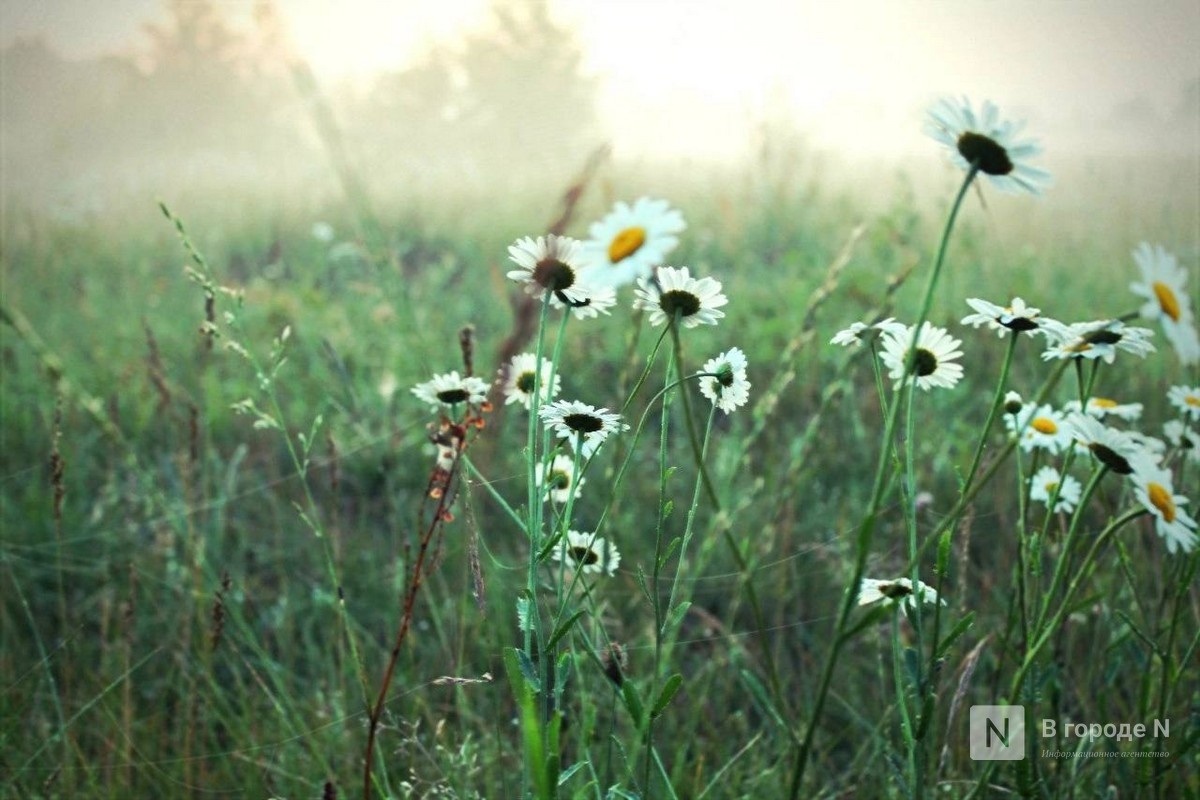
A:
(936, 351)
(1187, 400)
(1015, 317)
(451, 389)
(588, 553)
(589, 298)
(1046, 481)
(632, 240)
(987, 142)
(1184, 439)
(1154, 490)
(1041, 427)
(1163, 286)
(675, 292)
(898, 591)
(548, 265)
(727, 388)
(560, 479)
(1099, 339)
(581, 424)
(858, 332)
(1013, 403)
(1101, 407)
(1117, 450)
(520, 376)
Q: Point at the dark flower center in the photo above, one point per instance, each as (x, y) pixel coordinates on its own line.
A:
(1103, 336)
(685, 303)
(452, 396)
(583, 423)
(559, 480)
(552, 274)
(1020, 324)
(584, 555)
(894, 591)
(924, 363)
(1111, 459)
(525, 382)
(985, 153)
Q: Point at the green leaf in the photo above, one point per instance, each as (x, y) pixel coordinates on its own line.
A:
(529, 671)
(563, 629)
(566, 774)
(675, 617)
(668, 692)
(633, 703)
(958, 630)
(548, 547)
(670, 548)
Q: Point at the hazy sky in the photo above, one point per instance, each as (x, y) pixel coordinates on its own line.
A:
(687, 76)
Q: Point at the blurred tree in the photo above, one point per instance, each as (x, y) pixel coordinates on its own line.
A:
(512, 96)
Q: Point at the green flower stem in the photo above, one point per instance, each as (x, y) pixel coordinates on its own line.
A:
(534, 526)
(687, 415)
(491, 490)
(688, 528)
(866, 529)
(912, 733)
(997, 400)
(1045, 632)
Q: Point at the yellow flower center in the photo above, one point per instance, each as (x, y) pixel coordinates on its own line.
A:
(1044, 425)
(626, 243)
(1161, 499)
(1192, 400)
(1104, 402)
(1166, 299)
(1050, 486)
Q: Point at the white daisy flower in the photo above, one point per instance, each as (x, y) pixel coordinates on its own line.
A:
(1187, 400)
(520, 376)
(728, 388)
(1101, 407)
(1046, 481)
(1016, 316)
(1154, 490)
(1117, 450)
(588, 553)
(1013, 403)
(549, 265)
(936, 350)
(632, 240)
(581, 424)
(857, 333)
(1040, 427)
(589, 297)
(1184, 439)
(560, 480)
(675, 292)
(1163, 286)
(1099, 339)
(451, 389)
(987, 142)
(898, 591)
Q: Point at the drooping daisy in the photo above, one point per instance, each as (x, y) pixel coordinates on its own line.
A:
(935, 353)
(728, 388)
(632, 240)
(1184, 439)
(589, 298)
(1101, 407)
(858, 333)
(520, 377)
(1154, 490)
(548, 265)
(1046, 481)
(588, 553)
(1187, 400)
(898, 591)
(987, 142)
(1163, 286)
(1117, 450)
(560, 480)
(1098, 339)
(1015, 317)
(580, 424)
(1041, 427)
(674, 292)
(451, 389)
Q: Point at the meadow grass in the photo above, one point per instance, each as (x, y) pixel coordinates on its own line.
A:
(199, 601)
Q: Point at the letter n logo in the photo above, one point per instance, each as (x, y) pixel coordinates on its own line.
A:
(997, 733)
